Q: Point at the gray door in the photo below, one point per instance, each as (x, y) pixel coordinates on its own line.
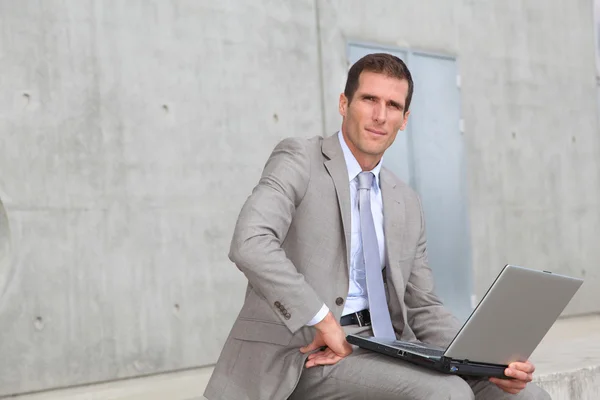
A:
(429, 156)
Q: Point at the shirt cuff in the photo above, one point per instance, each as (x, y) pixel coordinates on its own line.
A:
(319, 316)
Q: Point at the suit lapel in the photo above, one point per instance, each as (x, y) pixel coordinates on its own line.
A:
(336, 166)
(394, 220)
(393, 217)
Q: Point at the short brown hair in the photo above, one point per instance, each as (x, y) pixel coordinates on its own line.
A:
(380, 63)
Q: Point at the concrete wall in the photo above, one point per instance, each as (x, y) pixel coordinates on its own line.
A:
(531, 124)
(131, 133)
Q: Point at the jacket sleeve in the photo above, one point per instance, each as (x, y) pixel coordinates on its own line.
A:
(428, 318)
(261, 228)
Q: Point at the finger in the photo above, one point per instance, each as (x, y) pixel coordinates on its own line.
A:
(508, 390)
(512, 391)
(342, 349)
(322, 353)
(347, 350)
(310, 364)
(324, 356)
(509, 385)
(323, 360)
(526, 367)
(344, 352)
(497, 381)
(310, 347)
(314, 355)
(327, 360)
(519, 375)
(515, 384)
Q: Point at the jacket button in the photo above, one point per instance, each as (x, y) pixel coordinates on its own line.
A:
(287, 316)
(339, 301)
(277, 304)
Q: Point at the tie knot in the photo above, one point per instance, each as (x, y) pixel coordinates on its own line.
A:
(365, 180)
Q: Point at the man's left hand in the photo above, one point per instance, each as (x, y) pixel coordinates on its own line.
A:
(522, 374)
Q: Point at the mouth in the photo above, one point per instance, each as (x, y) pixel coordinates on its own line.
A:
(375, 131)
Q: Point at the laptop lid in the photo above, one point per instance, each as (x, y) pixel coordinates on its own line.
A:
(513, 316)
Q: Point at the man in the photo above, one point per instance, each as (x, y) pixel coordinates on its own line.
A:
(313, 238)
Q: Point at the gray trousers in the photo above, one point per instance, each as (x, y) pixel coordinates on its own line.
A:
(367, 375)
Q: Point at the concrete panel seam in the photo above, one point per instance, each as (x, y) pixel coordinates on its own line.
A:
(320, 67)
(5, 246)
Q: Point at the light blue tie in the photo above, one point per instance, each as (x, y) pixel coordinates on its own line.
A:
(380, 315)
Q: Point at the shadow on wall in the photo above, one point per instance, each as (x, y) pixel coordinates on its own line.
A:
(4, 249)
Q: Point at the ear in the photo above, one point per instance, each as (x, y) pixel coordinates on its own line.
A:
(343, 106)
(406, 114)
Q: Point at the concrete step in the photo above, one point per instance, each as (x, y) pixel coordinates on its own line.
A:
(567, 361)
(182, 385)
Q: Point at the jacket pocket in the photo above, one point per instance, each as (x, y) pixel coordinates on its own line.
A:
(261, 331)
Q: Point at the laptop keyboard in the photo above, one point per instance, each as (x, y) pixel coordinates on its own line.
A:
(415, 348)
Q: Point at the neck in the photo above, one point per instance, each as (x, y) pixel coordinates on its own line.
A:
(366, 161)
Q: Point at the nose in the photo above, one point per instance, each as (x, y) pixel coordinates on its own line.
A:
(379, 113)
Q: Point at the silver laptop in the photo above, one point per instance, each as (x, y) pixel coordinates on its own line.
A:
(510, 321)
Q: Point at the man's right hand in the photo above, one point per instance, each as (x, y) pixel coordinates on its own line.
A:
(331, 335)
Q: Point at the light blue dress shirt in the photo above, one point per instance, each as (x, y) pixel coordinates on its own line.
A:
(357, 299)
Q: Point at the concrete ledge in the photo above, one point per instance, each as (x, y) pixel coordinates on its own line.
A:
(583, 384)
(567, 361)
(182, 385)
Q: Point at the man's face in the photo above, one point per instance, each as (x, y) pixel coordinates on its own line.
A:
(374, 116)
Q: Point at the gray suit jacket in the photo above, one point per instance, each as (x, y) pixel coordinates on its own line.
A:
(292, 241)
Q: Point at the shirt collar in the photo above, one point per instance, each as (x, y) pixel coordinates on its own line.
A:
(353, 166)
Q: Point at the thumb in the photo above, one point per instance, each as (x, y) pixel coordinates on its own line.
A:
(310, 347)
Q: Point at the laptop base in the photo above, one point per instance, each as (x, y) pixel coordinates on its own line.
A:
(438, 363)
